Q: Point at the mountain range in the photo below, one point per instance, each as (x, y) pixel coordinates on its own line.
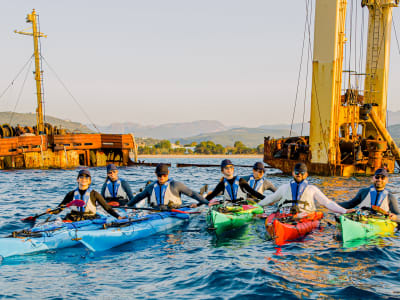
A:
(188, 132)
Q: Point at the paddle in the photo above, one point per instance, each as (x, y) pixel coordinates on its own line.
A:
(158, 209)
(78, 203)
(380, 210)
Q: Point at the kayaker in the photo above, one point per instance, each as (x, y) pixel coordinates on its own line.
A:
(299, 196)
(232, 187)
(89, 196)
(166, 192)
(377, 195)
(257, 181)
(116, 189)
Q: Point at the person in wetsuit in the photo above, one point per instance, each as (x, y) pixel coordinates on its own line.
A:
(116, 189)
(257, 181)
(299, 196)
(165, 192)
(377, 195)
(233, 188)
(90, 197)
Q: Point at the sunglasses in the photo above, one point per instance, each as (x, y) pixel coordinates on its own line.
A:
(380, 177)
(299, 172)
(111, 172)
(161, 175)
(84, 176)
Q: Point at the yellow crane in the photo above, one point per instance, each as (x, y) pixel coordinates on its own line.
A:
(32, 18)
(348, 132)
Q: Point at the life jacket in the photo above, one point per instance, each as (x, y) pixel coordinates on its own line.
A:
(296, 199)
(257, 185)
(89, 207)
(114, 190)
(373, 198)
(162, 195)
(233, 192)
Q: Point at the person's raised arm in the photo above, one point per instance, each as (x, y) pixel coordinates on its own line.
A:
(146, 193)
(103, 203)
(273, 198)
(247, 188)
(329, 204)
(218, 189)
(179, 187)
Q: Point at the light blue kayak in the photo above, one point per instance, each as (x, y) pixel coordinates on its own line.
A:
(124, 231)
(47, 236)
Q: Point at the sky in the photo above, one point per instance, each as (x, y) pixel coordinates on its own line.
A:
(163, 61)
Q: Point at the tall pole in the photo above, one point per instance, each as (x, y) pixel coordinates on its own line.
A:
(32, 18)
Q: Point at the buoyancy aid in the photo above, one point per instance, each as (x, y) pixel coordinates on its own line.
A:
(296, 198)
(89, 207)
(257, 185)
(114, 190)
(162, 195)
(233, 192)
(380, 199)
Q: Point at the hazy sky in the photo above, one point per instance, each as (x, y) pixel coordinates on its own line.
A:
(161, 61)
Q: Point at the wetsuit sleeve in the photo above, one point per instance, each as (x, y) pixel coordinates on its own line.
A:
(125, 185)
(394, 206)
(218, 189)
(67, 199)
(178, 187)
(246, 188)
(146, 193)
(273, 198)
(103, 190)
(103, 203)
(329, 204)
(268, 185)
(356, 200)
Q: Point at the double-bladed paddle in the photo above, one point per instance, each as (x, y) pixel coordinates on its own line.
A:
(78, 203)
(158, 209)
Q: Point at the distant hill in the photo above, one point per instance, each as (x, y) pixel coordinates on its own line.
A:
(251, 137)
(165, 131)
(393, 117)
(297, 128)
(29, 119)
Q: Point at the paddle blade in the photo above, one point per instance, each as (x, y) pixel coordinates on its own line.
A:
(78, 203)
(113, 203)
(29, 219)
(380, 210)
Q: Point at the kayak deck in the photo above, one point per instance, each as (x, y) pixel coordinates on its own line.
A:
(284, 228)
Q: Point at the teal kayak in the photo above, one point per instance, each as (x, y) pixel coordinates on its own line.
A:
(355, 226)
(221, 218)
(124, 231)
(46, 236)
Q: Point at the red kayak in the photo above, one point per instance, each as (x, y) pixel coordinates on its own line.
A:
(287, 227)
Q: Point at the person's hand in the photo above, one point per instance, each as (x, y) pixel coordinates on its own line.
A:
(120, 218)
(392, 217)
(49, 211)
(349, 211)
(193, 205)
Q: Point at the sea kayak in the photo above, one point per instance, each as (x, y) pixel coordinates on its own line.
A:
(283, 228)
(358, 226)
(221, 218)
(46, 236)
(124, 231)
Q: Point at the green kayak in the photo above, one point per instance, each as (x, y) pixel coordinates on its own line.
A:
(355, 226)
(222, 218)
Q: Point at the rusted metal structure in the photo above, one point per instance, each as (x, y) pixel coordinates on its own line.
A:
(348, 134)
(45, 146)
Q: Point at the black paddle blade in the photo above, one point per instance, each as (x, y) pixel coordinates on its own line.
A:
(29, 219)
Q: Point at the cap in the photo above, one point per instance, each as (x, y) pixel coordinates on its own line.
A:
(162, 169)
(84, 172)
(226, 162)
(111, 167)
(258, 166)
(382, 171)
(300, 167)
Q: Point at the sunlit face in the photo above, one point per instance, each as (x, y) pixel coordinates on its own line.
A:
(228, 171)
(380, 181)
(113, 175)
(162, 178)
(299, 176)
(258, 174)
(84, 182)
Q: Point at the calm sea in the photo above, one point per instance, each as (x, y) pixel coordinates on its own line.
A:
(189, 262)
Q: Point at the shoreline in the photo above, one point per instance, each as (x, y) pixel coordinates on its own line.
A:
(140, 157)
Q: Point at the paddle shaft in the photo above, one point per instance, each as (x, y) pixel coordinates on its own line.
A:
(156, 209)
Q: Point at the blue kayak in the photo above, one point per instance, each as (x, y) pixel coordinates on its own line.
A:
(46, 236)
(124, 231)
